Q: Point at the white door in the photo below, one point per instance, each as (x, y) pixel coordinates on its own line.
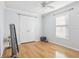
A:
(27, 29)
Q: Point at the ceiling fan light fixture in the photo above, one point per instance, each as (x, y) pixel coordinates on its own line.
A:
(45, 4)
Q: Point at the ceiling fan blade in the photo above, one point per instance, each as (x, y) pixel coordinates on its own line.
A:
(45, 4)
(50, 6)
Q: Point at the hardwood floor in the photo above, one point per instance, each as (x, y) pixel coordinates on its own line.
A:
(42, 50)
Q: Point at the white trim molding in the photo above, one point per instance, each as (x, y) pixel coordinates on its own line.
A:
(65, 46)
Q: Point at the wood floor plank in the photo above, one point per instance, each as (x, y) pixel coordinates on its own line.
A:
(42, 50)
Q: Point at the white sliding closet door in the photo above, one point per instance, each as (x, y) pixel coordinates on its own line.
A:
(27, 29)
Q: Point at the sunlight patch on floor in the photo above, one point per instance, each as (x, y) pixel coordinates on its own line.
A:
(60, 55)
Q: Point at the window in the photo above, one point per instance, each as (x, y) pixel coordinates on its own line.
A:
(61, 27)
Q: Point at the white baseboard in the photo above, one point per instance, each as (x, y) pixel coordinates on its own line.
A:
(65, 46)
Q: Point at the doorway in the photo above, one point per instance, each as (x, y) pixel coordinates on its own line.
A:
(27, 29)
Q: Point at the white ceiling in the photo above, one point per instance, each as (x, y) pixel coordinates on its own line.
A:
(35, 6)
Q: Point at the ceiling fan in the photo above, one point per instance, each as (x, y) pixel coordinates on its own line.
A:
(46, 4)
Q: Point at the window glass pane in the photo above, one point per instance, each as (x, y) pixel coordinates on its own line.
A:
(61, 20)
(61, 32)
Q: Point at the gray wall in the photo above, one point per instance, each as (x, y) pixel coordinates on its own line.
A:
(49, 25)
(11, 17)
(1, 27)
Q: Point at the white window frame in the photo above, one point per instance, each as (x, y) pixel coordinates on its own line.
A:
(67, 18)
